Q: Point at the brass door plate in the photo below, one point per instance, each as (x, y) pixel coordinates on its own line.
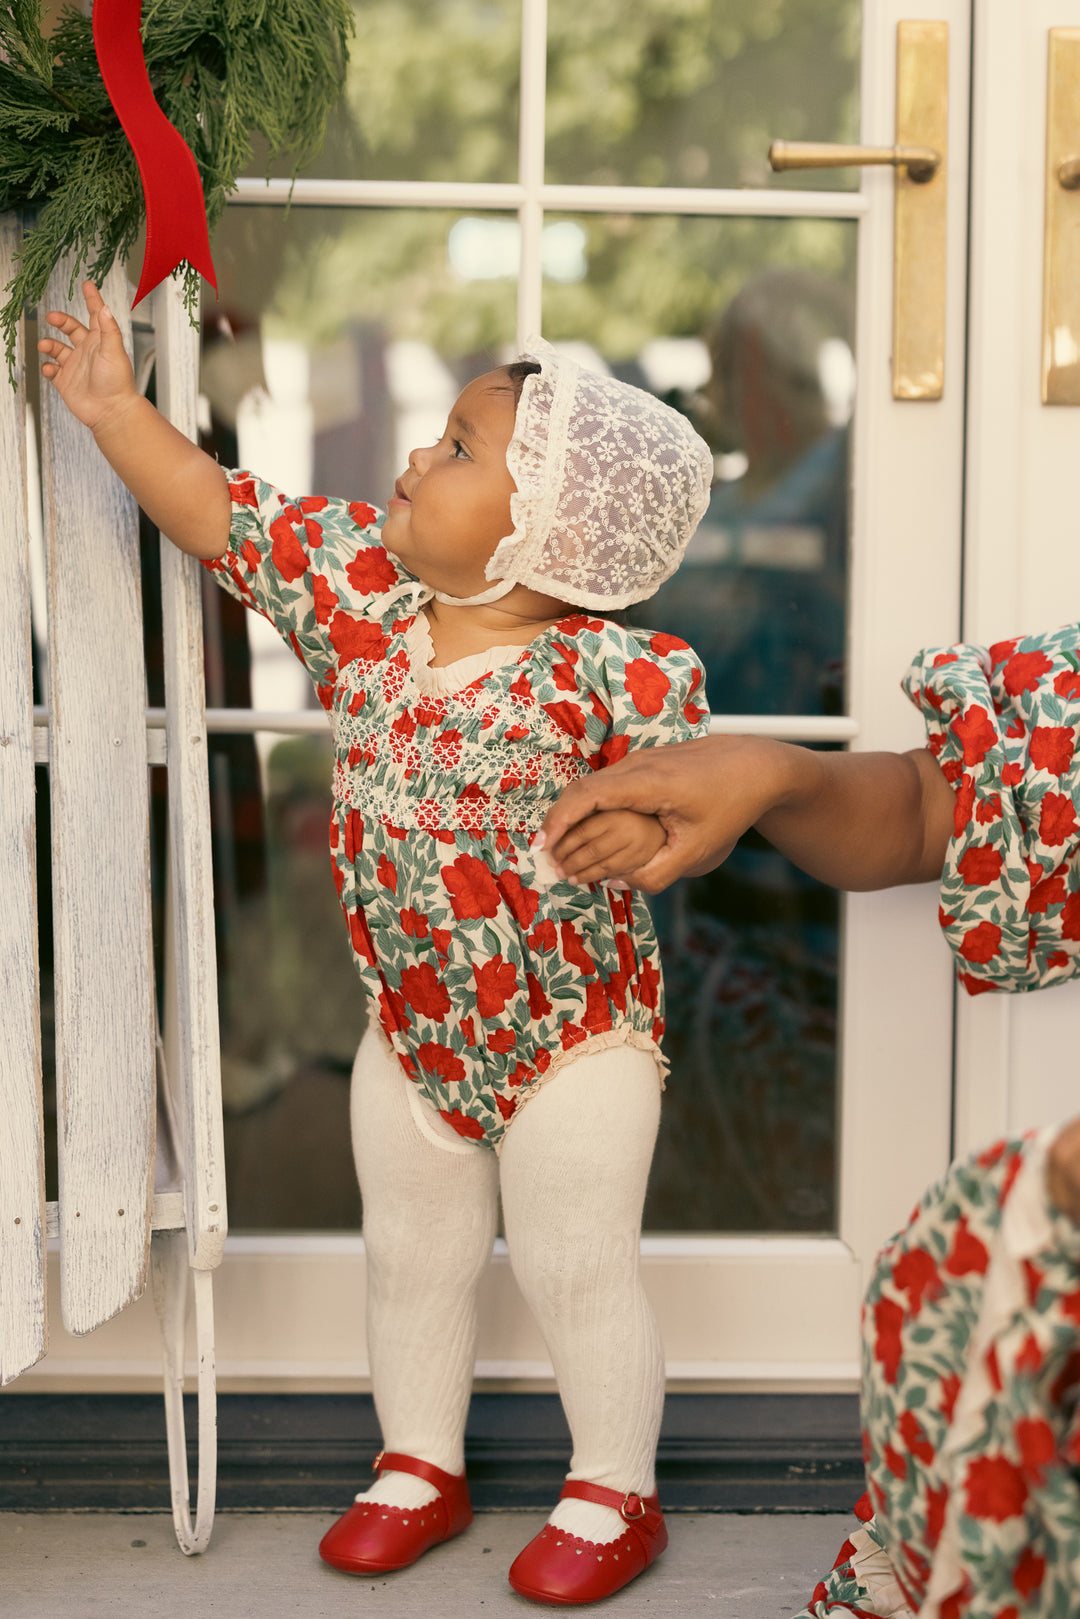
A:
(1061, 241)
(922, 119)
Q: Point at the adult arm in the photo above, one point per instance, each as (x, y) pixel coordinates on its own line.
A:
(180, 488)
(854, 820)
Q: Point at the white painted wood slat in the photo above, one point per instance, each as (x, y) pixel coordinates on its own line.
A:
(101, 864)
(191, 1034)
(23, 1330)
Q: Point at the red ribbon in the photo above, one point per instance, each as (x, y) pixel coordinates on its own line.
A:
(176, 227)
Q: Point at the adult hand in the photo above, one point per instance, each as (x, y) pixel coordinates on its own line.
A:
(705, 793)
(854, 820)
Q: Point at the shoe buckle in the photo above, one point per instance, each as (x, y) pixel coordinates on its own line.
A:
(377, 1463)
(624, 1511)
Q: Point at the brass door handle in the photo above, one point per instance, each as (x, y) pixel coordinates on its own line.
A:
(921, 162)
(921, 133)
(1060, 358)
(1069, 174)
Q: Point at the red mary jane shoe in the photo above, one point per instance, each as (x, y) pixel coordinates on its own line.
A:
(563, 1569)
(372, 1538)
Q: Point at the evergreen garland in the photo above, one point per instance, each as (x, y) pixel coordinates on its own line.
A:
(220, 70)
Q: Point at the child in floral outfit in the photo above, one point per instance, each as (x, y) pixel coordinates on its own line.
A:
(516, 1049)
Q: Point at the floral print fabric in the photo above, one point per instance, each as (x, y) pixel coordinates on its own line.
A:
(971, 1406)
(484, 980)
(1003, 725)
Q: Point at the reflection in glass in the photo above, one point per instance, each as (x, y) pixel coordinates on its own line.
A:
(431, 94)
(643, 92)
(746, 325)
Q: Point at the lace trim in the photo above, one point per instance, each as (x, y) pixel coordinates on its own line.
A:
(449, 678)
(624, 1035)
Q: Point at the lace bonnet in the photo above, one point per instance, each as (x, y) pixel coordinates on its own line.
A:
(611, 484)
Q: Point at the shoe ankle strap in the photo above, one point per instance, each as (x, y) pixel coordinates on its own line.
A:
(642, 1511)
(394, 1461)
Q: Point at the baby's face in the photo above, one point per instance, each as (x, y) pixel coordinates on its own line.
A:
(452, 506)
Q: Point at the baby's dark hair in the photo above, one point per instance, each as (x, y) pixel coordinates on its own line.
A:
(516, 373)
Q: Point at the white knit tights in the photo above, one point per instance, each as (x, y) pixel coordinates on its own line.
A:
(572, 1175)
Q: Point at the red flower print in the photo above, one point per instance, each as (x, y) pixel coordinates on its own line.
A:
(324, 599)
(894, 1462)
(1067, 683)
(1012, 774)
(501, 1041)
(888, 1319)
(979, 867)
(568, 717)
(1051, 891)
(981, 943)
(542, 937)
(543, 1061)
(250, 553)
(563, 670)
(914, 1436)
(242, 492)
(648, 984)
(1029, 1572)
(976, 733)
(967, 1253)
(362, 514)
(597, 1012)
(1057, 819)
(361, 938)
(496, 982)
(610, 752)
(964, 804)
(615, 989)
(521, 902)
(354, 638)
(440, 1060)
(951, 769)
(600, 709)
(936, 1501)
(916, 1274)
(1051, 748)
(950, 1391)
(943, 658)
(469, 1032)
(1030, 1358)
(647, 684)
(1037, 1445)
(989, 809)
(447, 746)
(386, 872)
(571, 1034)
(576, 622)
(975, 986)
(539, 1005)
(522, 1074)
(371, 570)
(573, 949)
(471, 1129)
(1024, 671)
(994, 1488)
(426, 712)
(505, 1105)
(663, 644)
(415, 925)
(287, 554)
(425, 991)
(392, 1013)
(471, 888)
(440, 938)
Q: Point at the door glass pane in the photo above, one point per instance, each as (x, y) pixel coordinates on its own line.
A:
(432, 94)
(340, 341)
(644, 92)
(747, 326)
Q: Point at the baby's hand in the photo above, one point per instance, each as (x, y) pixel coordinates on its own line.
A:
(92, 374)
(610, 843)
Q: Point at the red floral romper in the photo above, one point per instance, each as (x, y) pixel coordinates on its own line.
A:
(484, 979)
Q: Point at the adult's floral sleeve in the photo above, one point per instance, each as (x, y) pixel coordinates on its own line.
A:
(1002, 723)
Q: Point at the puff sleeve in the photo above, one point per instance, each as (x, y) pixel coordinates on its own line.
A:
(1002, 723)
(613, 690)
(314, 567)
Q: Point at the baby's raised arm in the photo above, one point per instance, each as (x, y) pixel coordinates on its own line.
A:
(180, 488)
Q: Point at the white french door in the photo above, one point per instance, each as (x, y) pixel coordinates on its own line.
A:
(959, 523)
